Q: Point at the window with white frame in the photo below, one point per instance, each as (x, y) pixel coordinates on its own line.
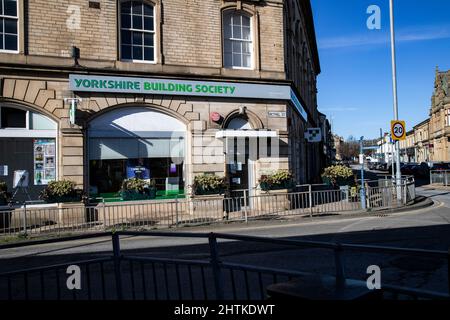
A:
(447, 117)
(137, 31)
(238, 43)
(17, 118)
(9, 37)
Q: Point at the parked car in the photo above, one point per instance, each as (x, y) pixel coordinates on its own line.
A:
(439, 166)
(382, 166)
(408, 169)
(422, 170)
(372, 165)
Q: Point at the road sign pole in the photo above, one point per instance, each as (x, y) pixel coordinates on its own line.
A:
(394, 87)
(363, 187)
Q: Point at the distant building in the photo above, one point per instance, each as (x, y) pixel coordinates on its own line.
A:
(338, 143)
(422, 141)
(439, 126)
(408, 148)
(385, 149)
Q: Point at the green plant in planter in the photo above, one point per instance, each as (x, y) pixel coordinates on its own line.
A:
(338, 175)
(281, 179)
(61, 191)
(138, 189)
(209, 184)
(4, 195)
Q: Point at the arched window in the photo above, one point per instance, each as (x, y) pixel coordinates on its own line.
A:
(238, 40)
(137, 31)
(27, 142)
(136, 142)
(13, 119)
(8, 26)
(239, 123)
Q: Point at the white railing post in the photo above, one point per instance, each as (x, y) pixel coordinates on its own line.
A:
(24, 220)
(405, 193)
(245, 206)
(310, 200)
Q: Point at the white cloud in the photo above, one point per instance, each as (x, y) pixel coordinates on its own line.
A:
(426, 33)
(339, 109)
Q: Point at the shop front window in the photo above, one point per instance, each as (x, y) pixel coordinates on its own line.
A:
(107, 176)
(27, 143)
(136, 143)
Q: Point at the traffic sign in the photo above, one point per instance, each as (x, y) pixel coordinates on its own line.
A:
(398, 130)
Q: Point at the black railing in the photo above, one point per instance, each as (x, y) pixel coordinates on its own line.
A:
(123, 276)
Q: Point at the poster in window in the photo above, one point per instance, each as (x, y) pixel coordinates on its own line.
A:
(44, 161)
(137, 169)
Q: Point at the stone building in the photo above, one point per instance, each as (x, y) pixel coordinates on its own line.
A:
(422, 141)
(337, 143)
(408, 148)
(439, 127)
(100, 91)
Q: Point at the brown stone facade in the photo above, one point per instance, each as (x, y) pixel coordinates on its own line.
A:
(189, 45)
(439, 126)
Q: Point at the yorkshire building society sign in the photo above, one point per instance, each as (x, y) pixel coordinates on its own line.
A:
(185, 88)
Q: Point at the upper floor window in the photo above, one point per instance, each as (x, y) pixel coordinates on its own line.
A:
(238, 43)
(9, 25)
(137, 31)
(447, 117)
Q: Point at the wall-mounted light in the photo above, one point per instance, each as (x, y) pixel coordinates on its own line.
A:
(75, 54)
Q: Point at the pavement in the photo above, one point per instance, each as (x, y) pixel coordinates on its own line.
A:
(426, 228)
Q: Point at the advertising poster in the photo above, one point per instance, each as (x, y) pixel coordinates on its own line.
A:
(44, 161)
(137, 169)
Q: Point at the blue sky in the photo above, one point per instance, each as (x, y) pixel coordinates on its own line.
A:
(355, 86)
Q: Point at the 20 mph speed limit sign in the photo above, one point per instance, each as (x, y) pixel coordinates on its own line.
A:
(398, 130)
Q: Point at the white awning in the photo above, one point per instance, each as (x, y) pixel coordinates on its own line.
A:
(246, 134)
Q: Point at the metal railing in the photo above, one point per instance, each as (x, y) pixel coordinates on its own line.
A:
(123, 276)
(440, 177)
(69, 218)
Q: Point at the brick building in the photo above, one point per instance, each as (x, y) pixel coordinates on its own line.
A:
(100, 91)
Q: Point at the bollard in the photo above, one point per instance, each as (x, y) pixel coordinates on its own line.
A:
(340, 274)
(117, 259)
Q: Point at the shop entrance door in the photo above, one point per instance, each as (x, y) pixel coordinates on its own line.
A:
(239, 174)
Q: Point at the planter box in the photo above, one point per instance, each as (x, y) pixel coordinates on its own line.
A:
(133, 196)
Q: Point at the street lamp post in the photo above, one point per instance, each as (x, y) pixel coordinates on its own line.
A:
(394, 87)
